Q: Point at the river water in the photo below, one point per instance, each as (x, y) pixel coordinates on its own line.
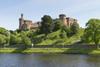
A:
(48, 60)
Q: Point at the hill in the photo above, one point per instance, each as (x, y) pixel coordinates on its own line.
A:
(55, 39)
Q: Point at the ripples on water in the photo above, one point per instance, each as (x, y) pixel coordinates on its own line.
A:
(48, 60)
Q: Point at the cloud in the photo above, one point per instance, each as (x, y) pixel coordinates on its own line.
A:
(80, 9)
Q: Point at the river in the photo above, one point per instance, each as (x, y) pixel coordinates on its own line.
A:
(48, 60)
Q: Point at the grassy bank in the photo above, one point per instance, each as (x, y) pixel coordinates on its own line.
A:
(51, 50)
(55, 38)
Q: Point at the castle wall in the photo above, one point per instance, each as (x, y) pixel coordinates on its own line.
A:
(26, 24)
(67, 21)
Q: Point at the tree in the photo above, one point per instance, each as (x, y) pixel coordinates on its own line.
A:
(92, 31)
(74, 28)
(15, 39)
(26, 41)
(57, 24)
(67, 30)
(3, 31)
(4, 36)
(46, 24)
(63, 34)
(2, 40)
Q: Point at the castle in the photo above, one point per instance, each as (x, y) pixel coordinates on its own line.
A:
(67, 21)
(28, 24)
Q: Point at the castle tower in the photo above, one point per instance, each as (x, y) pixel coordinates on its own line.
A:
(21, 21)
(62, 17)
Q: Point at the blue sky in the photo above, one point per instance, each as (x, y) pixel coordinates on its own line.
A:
(82, 10)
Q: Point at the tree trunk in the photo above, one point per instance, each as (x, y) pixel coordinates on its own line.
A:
(97, 46)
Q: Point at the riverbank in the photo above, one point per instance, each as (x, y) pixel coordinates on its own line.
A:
(51, 50)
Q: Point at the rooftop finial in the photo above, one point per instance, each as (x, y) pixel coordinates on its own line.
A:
(21, 15)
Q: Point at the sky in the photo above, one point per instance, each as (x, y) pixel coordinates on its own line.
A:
(82, 10)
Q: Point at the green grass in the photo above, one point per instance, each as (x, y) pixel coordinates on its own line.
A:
(7, 50)
(32, 50)
(51, 50)
(55, 39)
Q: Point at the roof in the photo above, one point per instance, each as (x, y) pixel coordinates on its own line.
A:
(27, 21)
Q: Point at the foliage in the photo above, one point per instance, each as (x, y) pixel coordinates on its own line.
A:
(57, 24)
(74, 28)
(4, 36)
(3, 31)
(50, 32)
(63, 34)
(54, 35)
(15, 39)
(25, 40)
(46, 24)
(21, 39)
(55, 38)
(92, 31)
(2, 40)
(67, 30)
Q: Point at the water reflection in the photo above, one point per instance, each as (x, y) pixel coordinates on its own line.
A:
(48, 60)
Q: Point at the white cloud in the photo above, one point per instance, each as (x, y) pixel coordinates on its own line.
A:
(80, 9)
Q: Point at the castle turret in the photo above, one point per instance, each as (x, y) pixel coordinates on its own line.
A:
(62, 17)
(21, 21)
(22, 16)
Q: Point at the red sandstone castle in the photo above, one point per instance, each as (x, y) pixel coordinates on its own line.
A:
(67, 21)
(28, 24)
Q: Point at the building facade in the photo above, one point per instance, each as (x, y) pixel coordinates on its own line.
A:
(67, 21)
(27, 24)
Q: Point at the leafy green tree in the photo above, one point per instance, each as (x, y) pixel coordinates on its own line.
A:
(92, 32)
(18, 30)
(15, 39)
(3, 31)
(74, 28)
(4, 36)
(26, 41)
(46, 24)
(63, 34)
(57, 24)
(67, 30)
(21, 39)
(2, 40)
